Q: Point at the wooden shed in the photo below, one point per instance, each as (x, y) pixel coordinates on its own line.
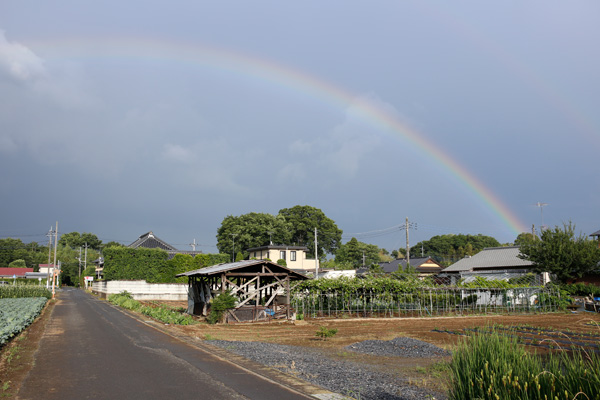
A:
(262, 288)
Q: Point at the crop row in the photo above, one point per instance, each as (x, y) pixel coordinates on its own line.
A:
(18, 313)
(16, 291)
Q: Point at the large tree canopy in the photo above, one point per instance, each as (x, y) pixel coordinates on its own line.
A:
(303, 220)
(561, 253)
(450, 248)
(357, 253)
(251, 230)
(14, 249)
(76, 240)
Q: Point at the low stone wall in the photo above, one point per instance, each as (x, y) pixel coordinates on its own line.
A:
(142, 290)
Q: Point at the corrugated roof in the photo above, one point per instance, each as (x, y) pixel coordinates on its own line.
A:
(219, 268)
(491, 257)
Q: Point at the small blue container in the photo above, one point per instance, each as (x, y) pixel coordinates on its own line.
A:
(597, 298)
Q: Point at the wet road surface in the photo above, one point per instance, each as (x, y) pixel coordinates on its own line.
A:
(91, 350)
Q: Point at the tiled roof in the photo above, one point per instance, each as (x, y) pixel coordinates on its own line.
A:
(491, 258)
(9, 272)
(149, 241)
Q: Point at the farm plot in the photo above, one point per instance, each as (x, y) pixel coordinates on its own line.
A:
(546, 338)
(18, 313)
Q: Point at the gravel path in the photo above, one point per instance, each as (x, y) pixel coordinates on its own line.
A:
(400, 346)
(352, 379)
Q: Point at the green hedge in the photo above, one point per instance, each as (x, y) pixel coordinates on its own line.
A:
(153, 265)
(123, 263)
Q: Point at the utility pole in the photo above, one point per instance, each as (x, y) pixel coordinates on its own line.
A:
(193, 244)
(49, 256)
(54, 265)
(316, 256)
(85, 262)
(407, 246)
(233, 235)
(79, 259)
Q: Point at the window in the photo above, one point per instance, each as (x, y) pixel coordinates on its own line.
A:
(282, 255)
(292, 256)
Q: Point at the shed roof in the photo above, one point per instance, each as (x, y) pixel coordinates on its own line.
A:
(240, 266)
(597, 233)
(491, 258)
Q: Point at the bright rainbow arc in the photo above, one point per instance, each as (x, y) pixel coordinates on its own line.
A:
(269, 71)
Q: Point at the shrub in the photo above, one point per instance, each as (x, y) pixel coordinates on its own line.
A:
(219, 305)
(325, 333)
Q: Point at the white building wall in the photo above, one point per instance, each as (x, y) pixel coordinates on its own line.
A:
(142, 290)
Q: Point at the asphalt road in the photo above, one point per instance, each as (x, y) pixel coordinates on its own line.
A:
(91, 350)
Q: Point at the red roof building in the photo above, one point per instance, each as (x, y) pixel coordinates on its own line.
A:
(10, 272)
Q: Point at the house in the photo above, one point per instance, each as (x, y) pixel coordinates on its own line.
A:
(492, 263)
(424, 266)
(294, 256)
(150, 241)
(14, 272)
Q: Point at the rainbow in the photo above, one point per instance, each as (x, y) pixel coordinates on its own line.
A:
(297, 81)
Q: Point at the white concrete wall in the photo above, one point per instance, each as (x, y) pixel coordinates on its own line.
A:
(142, 290)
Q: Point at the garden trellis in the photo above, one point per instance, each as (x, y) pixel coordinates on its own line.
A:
(409, 296)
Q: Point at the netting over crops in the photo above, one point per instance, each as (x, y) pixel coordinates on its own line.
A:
(383, 297)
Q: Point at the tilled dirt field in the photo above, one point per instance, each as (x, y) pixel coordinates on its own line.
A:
(423, 372)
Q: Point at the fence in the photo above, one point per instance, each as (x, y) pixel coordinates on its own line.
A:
(434, 300)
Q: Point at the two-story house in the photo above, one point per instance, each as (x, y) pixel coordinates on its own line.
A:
(294, 256)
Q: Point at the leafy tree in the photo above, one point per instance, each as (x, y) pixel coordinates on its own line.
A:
(251, 230)
(525, 238)
(76, 240)
(303, 220)
(384, 255)
(561, 253)
(112, 243)
(18, 264)
(353, 252)
(8, 247)
(450, 248)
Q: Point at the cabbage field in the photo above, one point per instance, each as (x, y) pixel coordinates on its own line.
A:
(17, 314)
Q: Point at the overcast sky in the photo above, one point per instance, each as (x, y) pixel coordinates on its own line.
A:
(118, 118)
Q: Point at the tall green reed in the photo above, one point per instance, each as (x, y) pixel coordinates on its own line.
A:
(495, 366)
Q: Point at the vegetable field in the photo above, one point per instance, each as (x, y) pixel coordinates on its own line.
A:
(18, 313)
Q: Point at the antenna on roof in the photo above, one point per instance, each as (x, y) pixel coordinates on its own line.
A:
(541, 206)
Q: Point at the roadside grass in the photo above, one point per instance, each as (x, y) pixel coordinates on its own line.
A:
(162, 313)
